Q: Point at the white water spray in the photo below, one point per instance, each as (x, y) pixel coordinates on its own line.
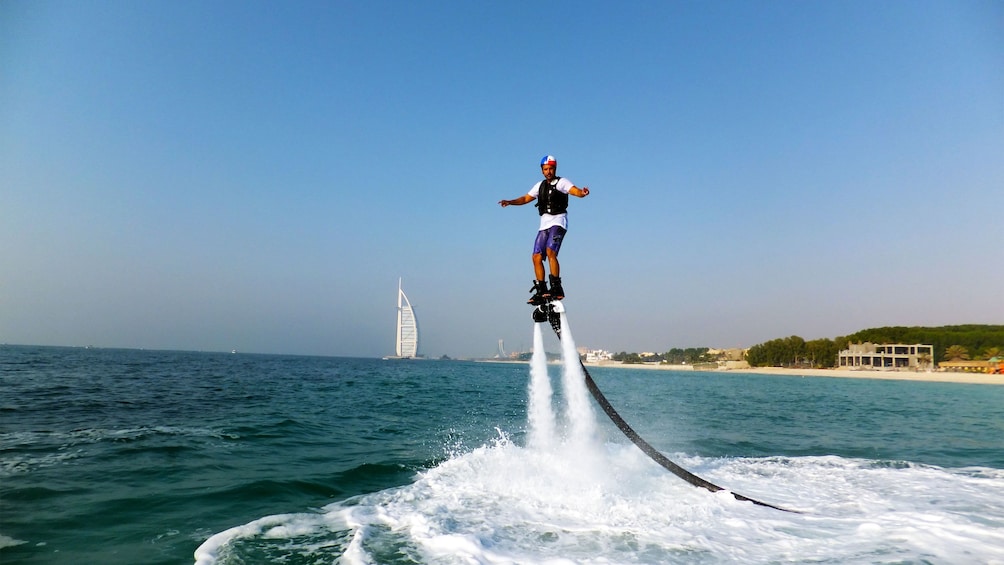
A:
(579, 412)
(580, 421)
(539, 412)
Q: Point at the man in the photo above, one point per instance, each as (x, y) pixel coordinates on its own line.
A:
(552, 193)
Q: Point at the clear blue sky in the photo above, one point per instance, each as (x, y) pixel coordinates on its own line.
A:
(257, 175)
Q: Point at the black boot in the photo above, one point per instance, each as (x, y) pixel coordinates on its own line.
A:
(540, 294)
(557, 293)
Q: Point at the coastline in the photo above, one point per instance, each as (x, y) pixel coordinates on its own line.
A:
(921, 376)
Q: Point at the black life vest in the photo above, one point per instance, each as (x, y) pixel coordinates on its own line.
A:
(550, 200)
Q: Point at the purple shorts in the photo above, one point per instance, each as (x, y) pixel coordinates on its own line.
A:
(550, 239)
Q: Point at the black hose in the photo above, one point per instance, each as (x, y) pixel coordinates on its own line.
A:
(555, 321)
(654, 453)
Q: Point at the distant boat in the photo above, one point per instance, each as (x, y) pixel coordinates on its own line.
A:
(407, 328)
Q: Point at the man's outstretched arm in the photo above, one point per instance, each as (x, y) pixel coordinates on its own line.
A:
(517, 202)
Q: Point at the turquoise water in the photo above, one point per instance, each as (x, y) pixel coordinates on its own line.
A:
(126, 457)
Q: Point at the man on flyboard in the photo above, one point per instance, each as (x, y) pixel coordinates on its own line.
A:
(552, 195)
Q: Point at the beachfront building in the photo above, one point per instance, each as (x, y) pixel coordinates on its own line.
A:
(886, 357)
(734, 354)
(595, 355)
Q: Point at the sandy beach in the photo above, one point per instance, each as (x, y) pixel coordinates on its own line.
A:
(934, 377)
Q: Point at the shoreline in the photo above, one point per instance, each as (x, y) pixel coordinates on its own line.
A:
(917, 376)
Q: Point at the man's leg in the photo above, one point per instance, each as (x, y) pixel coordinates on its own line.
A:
(538, 265)
(552, 263)
(539, 290)
(557, 235)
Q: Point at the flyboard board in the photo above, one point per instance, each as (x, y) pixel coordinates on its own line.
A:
(551, 312)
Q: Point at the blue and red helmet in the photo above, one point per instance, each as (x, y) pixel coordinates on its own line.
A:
(548, 160)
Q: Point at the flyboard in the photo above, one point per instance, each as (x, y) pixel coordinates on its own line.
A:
(552, 312)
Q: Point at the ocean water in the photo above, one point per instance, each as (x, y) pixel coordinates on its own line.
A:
(152, 457)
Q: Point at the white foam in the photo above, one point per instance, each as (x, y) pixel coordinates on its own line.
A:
(7, 541)
(208, 552)
(503, 503)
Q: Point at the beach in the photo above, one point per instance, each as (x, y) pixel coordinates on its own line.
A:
(920, 376)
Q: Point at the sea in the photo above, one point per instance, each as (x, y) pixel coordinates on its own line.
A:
(114, 456)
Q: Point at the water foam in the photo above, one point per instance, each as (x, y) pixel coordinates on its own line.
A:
(502, 503)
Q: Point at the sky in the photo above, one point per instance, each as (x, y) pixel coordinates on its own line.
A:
(218, 175)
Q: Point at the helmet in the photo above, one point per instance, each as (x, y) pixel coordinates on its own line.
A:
(548, 160)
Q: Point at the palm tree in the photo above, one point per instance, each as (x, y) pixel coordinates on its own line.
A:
(992, 352)
(956, 353)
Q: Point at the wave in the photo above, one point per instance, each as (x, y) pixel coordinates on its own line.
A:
(7, 541)
(25, 451)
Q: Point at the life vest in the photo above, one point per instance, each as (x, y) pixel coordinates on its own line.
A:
(550, 200)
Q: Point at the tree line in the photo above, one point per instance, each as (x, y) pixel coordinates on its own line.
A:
(795, 352)
(971, 341)
(675, 356)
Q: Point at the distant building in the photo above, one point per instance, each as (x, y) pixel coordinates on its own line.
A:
(733, 354)
(886, 357)
(595, 355)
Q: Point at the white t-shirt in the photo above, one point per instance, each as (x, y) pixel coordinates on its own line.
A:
(548, 220)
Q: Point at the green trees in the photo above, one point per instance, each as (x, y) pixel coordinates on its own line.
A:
(627, 358)
(794, 352)
(690, 355)
(822, 353)
(950, 342)
(675, 356)
(956, 353)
